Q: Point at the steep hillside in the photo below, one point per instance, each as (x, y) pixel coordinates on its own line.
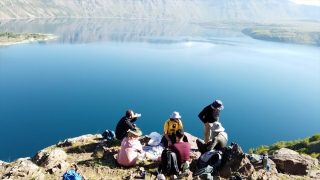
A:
(262, 9)
(146, 9)
(190, 10)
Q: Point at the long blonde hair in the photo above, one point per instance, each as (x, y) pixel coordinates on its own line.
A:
(132, 136)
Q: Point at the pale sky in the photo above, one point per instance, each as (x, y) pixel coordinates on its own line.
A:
(308, 2)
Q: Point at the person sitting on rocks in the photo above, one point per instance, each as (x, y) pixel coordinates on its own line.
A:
(130, 148)
(170, 127)
(126, 123)
(182, 151)
(220, 139)
(181, 148)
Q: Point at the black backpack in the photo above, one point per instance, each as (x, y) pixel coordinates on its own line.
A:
(110, 135)
(169, 164)
(214, 161)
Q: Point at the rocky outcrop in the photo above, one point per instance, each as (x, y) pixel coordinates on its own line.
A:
(291, 162)
(95, 158)
(192, 140)
(80, 140)
(235, 160)
(22, 168)
(53, 161)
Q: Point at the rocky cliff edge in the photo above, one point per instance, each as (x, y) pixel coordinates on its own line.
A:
(94, 158)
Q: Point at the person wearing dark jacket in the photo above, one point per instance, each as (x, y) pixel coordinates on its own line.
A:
(126, 123)
(209, 115)
(219, 141)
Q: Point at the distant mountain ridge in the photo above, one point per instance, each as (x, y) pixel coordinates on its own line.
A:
(189, 10)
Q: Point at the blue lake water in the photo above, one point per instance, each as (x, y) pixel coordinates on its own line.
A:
(84, 82)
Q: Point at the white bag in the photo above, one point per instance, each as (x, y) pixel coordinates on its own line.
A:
(155, 139)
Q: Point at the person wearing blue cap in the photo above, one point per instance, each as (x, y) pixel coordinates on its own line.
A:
(208, 116)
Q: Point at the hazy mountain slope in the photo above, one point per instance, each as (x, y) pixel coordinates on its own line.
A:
(191, 10)
(262, 9)
(150, 9)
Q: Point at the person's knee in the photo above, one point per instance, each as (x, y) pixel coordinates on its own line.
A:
(199, 141)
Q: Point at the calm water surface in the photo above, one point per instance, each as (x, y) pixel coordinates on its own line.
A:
(84, 82)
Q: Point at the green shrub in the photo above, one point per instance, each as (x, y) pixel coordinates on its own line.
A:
(12, 35)
(99, 154)
(260, 150)
(302, 151)
(315, 137)
(251, 151)
(278, 145)
(301, 146)
(315, 155)
(2, 34)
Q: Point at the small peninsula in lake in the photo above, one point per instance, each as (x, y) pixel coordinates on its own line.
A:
(304, 32)
(9, 38)
(286, 35)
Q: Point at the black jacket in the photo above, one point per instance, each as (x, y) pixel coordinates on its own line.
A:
(123, 126)
(209, 115)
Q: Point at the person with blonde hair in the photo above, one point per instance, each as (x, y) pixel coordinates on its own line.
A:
(131, 149)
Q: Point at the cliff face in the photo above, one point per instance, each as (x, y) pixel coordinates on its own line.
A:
(191, 10)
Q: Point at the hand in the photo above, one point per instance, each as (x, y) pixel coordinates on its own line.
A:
(136, 115)
(134, 125)
(206, 124)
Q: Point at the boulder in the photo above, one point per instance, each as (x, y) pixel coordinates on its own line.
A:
(290, 162)
(41, 155)
(3, 163)
(22, 168)
(81, 139)
(235, 160)
(191, 140)
(53, 161)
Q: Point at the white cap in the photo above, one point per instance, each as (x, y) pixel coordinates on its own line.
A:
(175, 114)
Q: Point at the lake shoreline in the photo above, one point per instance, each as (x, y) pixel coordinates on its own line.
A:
(284, 36)
(294, 32)
(15, 41)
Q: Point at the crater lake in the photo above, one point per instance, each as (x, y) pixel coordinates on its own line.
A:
(84, 81)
